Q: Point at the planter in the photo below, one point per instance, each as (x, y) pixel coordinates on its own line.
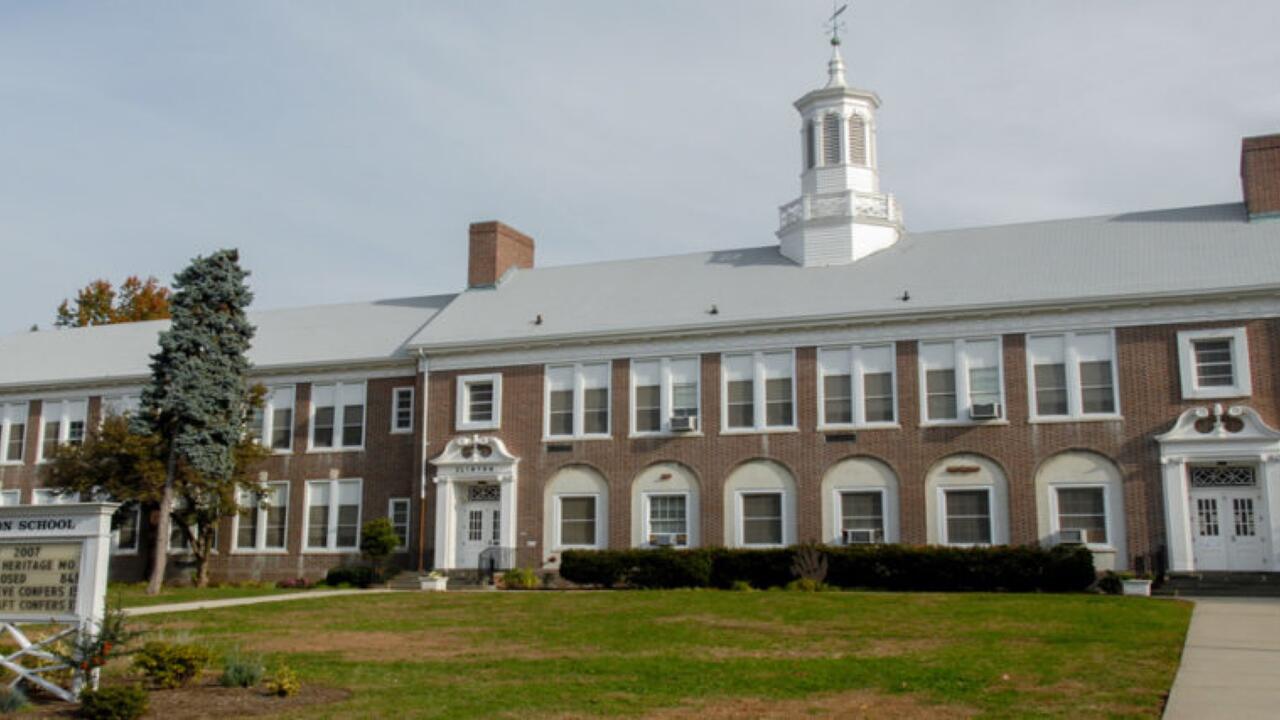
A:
(1137, 587)
(431, 584)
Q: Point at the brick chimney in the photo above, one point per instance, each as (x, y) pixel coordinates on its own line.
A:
(1260, 174)
(495, 249)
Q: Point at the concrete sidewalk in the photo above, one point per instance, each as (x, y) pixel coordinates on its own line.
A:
(1231, 662)
(233, 602)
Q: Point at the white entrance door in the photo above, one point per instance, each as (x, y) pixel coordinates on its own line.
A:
(479, 524)
(1228, 523)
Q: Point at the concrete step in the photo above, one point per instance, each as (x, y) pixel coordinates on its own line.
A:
(1221, 584)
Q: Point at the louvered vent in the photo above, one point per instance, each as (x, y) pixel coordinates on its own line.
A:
(857, 141)
(831, 140)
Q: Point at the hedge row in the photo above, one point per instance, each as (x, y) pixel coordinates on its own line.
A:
(879, 567)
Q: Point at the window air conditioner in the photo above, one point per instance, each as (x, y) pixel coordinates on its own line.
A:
(861, 536)
(986, 411)
(663, 539)
(687, 423)
(1073, 536)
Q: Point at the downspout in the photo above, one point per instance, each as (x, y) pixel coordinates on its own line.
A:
(422, 480)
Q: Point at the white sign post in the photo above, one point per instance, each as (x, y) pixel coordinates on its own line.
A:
(53, 571)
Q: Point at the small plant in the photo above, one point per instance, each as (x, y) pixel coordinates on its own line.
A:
(378, 539)
(1111, 583)
(283, 682)
(120, 702)
(809, 564)
(90, 651)
(741, 586)
(520, 579)
(299, 583)
(241, 670)
(12, 700)
(806, 585)
(171, 665)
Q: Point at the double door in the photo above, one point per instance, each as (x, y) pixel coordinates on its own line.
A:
(1229, 529)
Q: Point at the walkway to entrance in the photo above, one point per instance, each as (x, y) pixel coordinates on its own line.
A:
(1231, 663)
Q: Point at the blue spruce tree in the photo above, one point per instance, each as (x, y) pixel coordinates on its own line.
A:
(198, 399)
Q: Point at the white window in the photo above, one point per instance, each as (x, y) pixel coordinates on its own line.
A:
(856, 386)
(10, 497)
(479, 402)
(577, 400)
(398, 513)
(124, 537)
(1214, 363)
(667, 519)
(337, 416)
(262, 523)
(967, 514)
(1083, 508)
(862, 511)
(1072, 375)
(761, 514)
(13, 432)
(578, 526)
(333, 515)
(663, 389)
(273, 422)
(402, 410)
(62, 423)
(958, 375)
(120, 405)
(758, 391)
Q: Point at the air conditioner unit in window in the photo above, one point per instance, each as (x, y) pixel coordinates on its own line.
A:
(688, 423)
(1073, 536)
(664, 539)
(986, 411)
(861, 537)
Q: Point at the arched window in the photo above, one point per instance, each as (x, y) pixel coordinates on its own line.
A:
(967, 502)
(809, 141)
(860, 503)
(831, 139)
(1080, 499)
(576, 510)
(857, 140)
(760, 500)
(664, 507)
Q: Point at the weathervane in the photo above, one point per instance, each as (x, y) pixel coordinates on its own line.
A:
(834, 23)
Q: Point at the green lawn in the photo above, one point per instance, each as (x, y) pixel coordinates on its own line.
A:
(714, 654)
(131, 595)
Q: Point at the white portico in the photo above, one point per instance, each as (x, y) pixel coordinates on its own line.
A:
(475, 503)
(1221, 478)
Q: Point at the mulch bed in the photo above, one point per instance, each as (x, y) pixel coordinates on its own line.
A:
(211, 700)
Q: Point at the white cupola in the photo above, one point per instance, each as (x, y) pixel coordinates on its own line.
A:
(841, 216)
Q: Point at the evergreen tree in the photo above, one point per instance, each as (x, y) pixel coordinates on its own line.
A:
(198, 400)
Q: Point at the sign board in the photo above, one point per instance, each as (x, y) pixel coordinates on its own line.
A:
(53, 562)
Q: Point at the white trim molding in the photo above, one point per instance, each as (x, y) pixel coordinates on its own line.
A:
(462, 402)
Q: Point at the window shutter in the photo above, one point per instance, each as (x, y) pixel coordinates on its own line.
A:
(831, 140)
(857, 140)
(809, 140)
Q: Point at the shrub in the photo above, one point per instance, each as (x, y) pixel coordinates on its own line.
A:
(806, 585)
(1111, 583)
(283, 682)
(12, 700)
(241, 670)
(170, 665)
(120, 702)
(882, 567)
(361, 576)
(741, 586)
(378, 539)
(299, 583)
(520, 579)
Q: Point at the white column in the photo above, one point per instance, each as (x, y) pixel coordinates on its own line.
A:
(446, 520)
(509, 518)
(1271, 502)
(1176, 515)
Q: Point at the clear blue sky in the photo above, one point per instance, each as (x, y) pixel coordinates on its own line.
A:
(344, 147)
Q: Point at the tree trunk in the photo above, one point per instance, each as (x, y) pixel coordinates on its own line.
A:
(202, 547)
(160, 547)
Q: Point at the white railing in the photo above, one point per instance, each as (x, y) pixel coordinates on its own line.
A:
(874, 206)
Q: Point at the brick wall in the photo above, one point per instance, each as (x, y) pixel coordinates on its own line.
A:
(1150, 400)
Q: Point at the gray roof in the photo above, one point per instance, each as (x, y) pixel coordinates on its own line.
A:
(311, 336)
(1158, 253)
